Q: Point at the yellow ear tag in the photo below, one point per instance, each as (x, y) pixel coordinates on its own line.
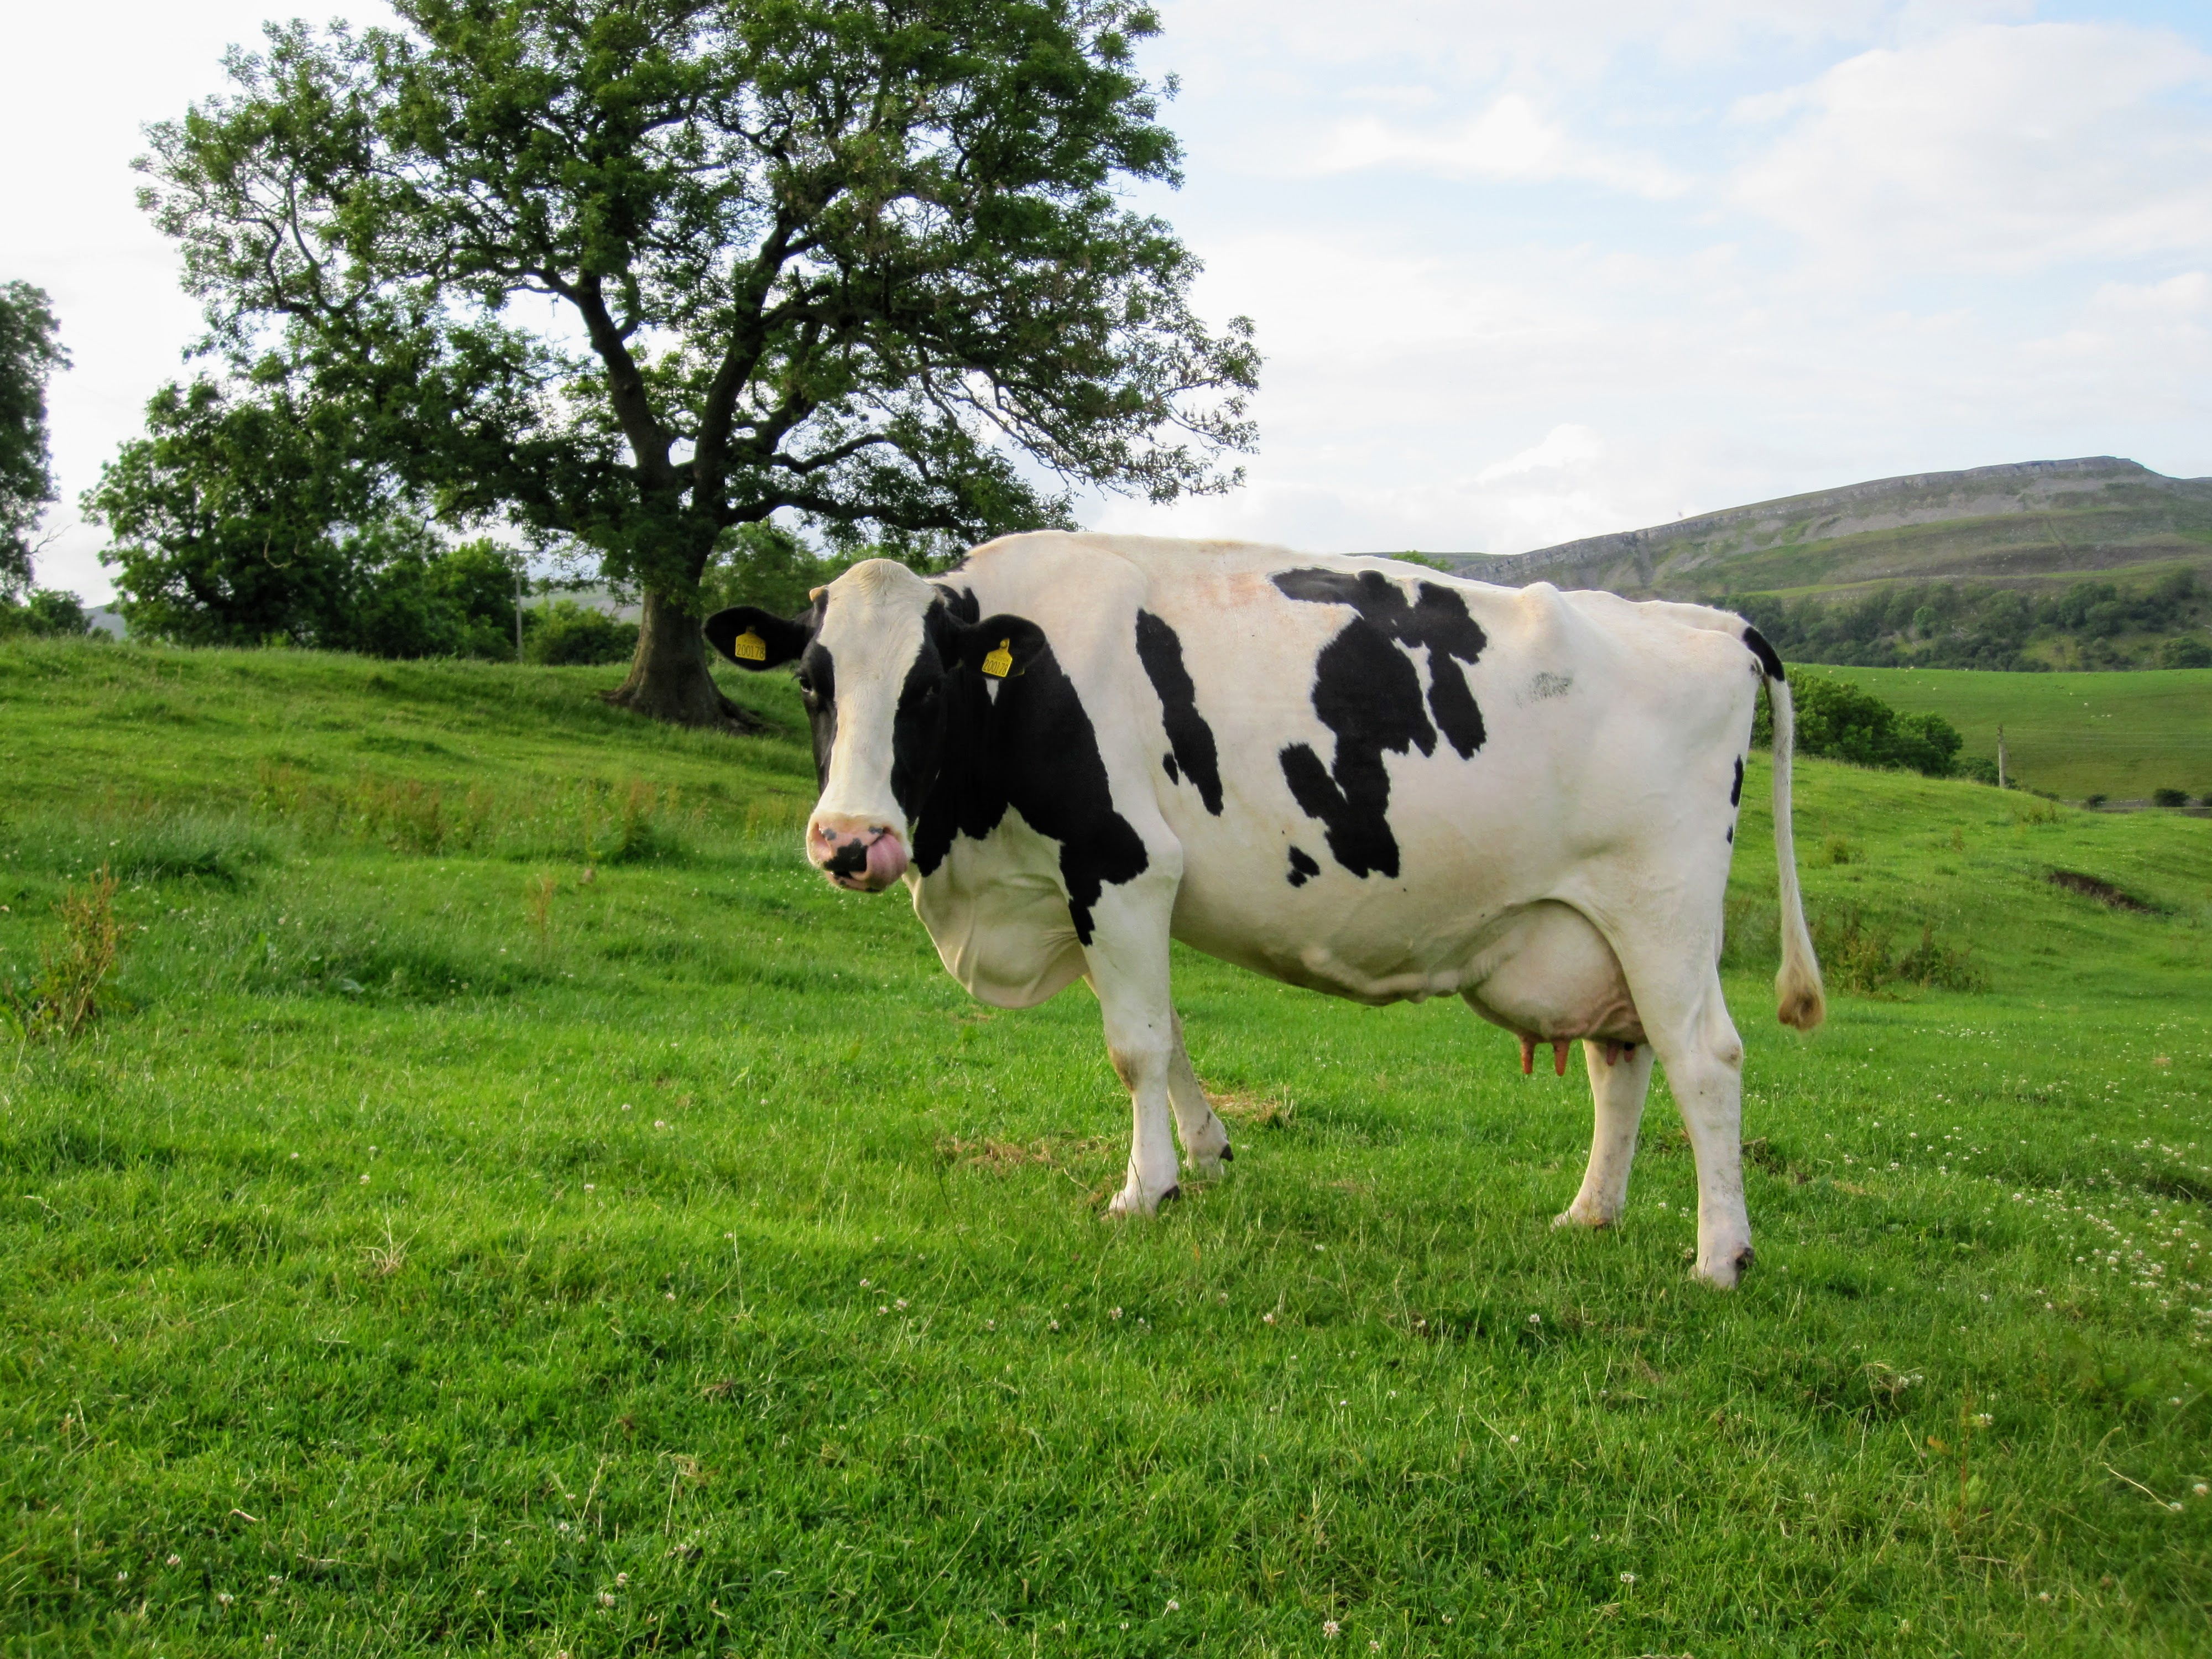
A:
(1000, 663)
(749, 647)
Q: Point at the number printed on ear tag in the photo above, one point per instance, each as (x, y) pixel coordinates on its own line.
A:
(749, 647)
(1000, 663)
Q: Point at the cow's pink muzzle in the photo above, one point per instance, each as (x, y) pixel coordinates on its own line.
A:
(858, 856)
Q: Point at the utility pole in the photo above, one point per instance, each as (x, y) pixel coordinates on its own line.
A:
(518, 643)
(2000, 754)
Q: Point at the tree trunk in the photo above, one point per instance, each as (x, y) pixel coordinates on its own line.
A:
(668, 678)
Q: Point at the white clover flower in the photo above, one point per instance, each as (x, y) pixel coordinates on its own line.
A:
(174, 1561)
(1174, 1606)
(606, 1598)
(621, 1581)
(1331, 1629)
(1266, 1319)
(1115, 1313)
(1512, 1439)
(1628, 1578)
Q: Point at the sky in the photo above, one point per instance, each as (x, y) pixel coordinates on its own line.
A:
(1523, 271)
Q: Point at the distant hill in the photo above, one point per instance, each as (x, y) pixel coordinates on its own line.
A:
(2097, 561)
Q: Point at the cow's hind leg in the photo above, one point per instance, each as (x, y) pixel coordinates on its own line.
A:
(1617, 1091)
(1205, 1137)
(1698, 1044)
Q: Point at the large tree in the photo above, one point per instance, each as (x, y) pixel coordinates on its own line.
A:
(30, 351)
(860, 261)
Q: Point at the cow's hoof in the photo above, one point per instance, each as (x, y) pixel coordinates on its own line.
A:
(1726, 1273)
(1139, 1202)
(1572, 1219)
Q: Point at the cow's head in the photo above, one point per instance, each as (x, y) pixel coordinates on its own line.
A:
(880, 657)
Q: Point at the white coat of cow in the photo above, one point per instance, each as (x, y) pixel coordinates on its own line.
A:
(1349, 774)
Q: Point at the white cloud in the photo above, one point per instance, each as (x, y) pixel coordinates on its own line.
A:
(1993, 150)
(1565, 446)
(1512, 140)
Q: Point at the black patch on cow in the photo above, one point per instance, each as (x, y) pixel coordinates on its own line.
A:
(1032, 748)
(1769, 664)
(1189, 734)
(850, 859)
(1302, 867)
(818, 691)
(1735, 789)
(918, 727)
(1168, 765)
(1368, 693)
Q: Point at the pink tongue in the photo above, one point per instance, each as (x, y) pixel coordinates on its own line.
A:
(886, 860)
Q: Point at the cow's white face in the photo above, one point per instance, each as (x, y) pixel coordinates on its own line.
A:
(872, 658)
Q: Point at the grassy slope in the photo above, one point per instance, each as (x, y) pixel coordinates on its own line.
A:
(710, 1329)
(2128, 530)
(2075, 735)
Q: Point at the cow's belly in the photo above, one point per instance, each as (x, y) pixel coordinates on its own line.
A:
(1549, 973)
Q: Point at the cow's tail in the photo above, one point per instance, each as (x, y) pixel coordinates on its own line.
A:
(1800, 1001)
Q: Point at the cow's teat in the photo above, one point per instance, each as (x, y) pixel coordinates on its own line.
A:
(856, 854)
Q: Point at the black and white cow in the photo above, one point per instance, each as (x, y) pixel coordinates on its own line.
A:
(1348, 774)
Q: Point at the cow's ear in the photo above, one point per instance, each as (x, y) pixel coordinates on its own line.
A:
(999, 648)
(756, 639)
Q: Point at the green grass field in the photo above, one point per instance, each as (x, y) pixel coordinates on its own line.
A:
(2073, 735)
(513, 1206)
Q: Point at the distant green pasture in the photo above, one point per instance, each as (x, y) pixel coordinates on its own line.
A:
(2075, 735)
(439, 1249)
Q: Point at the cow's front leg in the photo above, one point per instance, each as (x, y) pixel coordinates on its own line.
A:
(1205, 1137)
(1128, 956)
(1617, 1090)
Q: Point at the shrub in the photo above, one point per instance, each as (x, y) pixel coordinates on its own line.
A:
(572, 633)
(1859, 956)
(1841, 722)
(64, 999)
(48, 613)
(2185, 651)
(2169, 797)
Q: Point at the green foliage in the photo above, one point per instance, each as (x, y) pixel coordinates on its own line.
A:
(766, 565)
(566, 633)
(1942, 625)
(45, 613)
(30, 351)
(1838, 721)
(842, 258)
(244, 518)
(551, 1351)
(2169, 797)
